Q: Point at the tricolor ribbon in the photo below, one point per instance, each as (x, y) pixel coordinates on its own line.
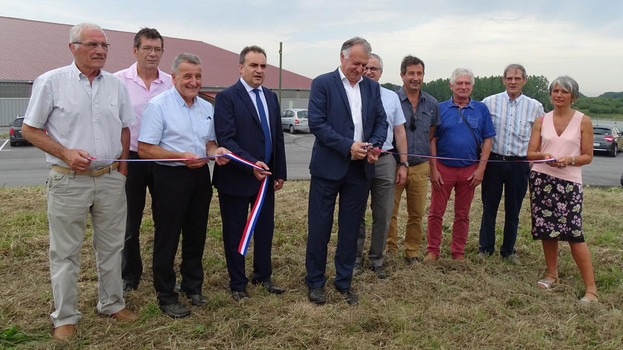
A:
(252, 220)
(257, 207)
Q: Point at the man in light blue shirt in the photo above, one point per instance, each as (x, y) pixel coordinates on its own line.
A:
(385, 176)
(513, 114)
(178, 124)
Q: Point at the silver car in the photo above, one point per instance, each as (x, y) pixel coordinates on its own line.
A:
(294, 120)
(607, 138)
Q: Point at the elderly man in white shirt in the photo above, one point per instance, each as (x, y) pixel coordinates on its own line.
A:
(86, 112)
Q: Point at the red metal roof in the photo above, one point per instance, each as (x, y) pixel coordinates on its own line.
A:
(30, 48)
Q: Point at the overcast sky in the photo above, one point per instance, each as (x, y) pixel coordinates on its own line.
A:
(550, 38)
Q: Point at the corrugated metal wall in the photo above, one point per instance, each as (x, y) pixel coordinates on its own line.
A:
(10, 108)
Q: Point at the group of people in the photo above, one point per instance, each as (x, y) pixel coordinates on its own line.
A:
(457, 145)
(110, 138)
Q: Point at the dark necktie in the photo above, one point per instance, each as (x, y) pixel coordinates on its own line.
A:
(265, 127)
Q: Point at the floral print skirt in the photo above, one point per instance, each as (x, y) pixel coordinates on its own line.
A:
(556, 207)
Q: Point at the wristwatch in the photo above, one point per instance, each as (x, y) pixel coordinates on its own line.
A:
(405, 164)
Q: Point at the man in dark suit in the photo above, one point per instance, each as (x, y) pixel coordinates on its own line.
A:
(347, 117)
(247, 119)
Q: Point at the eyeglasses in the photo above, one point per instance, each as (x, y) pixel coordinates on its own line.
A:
(372, 69)
(92, 45)
(148, 49)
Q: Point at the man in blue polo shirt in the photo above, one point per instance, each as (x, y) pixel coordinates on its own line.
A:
(465, 125)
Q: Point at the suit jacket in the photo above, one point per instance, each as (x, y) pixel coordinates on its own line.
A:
(330, 120)
(237, 126)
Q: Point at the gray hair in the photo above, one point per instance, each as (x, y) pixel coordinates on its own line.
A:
(75, 33)
(515, 66)
(568, 84)
(373, 55)
(461, 71)
(345, 50)
(184, 57)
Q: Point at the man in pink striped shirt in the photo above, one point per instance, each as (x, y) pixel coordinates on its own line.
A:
(144, 80)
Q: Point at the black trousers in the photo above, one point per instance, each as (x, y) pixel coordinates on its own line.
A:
(183, 198)
(512, 179)
(140, 178)
(234, 213)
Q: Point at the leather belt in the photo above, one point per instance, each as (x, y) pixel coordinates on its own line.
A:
(90, 172)
(499, 156)
(386, 153)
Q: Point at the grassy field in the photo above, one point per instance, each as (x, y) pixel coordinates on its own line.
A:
(448, 305)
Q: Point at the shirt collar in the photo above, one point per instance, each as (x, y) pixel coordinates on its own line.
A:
(132, 73)
(469, 104)
(345, 80)
(402, 95)
(248, 87)
(508, 99)
(180, 100)
(79, 74)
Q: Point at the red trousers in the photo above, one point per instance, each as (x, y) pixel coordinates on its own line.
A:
(453, 178)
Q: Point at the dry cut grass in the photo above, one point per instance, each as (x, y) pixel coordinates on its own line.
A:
(476, 305)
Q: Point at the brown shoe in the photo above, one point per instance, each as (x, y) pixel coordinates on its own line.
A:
(124, 315)
(64, 332)
(430, 258)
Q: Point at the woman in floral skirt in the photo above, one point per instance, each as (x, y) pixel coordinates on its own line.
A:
(556, 187)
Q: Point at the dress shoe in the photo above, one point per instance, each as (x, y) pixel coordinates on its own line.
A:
(380, 272)
(430, 258)
(129, 286)
(351, 298)
(412, 260)
(270, 287)
(64, 332)
(238, 295)
(357, 270)
(124, 315)
(176, 310)
(197, 299)
(317, 295)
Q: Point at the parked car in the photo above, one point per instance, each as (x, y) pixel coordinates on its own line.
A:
(607, 138)
(294, 120)
(15, 132)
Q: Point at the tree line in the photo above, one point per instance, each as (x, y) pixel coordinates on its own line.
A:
(607, 106)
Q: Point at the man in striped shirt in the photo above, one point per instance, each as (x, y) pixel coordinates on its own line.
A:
(513, 114)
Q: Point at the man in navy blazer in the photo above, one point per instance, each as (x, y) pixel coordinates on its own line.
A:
(247, 119)
(347, 117)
